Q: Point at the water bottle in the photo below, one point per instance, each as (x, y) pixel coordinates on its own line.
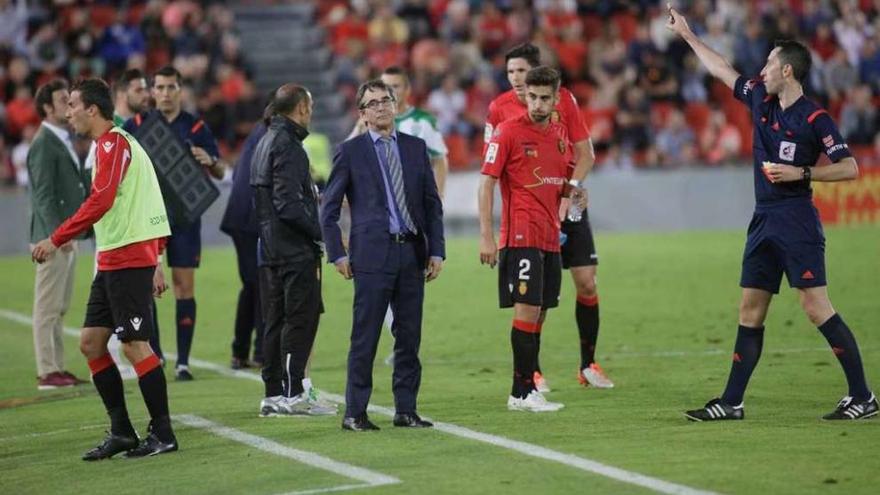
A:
(575, 213)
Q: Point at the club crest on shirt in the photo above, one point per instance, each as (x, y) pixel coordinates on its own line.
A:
(561, 146)
(786, 150)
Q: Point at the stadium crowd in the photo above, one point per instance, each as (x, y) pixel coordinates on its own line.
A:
(647, 100)
(42, 40)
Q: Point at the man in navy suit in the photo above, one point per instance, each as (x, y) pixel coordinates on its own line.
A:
(396, 244)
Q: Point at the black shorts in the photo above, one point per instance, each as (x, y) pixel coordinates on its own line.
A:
(528, 276)
(122, 301)
(579, 248)
(789, 239)
(185, 246)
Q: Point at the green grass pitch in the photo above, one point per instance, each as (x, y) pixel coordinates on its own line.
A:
(668, 311)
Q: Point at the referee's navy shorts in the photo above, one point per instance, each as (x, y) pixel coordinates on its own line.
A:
(785, 236)
(185, 246)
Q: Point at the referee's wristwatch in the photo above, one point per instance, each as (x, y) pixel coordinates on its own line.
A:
(807, 174)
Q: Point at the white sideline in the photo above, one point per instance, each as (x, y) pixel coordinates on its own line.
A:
(367, 477)
(525, 448)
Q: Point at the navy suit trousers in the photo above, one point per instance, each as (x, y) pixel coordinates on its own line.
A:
(401, 283)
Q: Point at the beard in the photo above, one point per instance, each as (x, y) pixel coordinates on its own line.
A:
(539, 118)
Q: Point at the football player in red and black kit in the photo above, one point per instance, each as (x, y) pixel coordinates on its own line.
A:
(578, 247)
(529, 157)
(126, 209)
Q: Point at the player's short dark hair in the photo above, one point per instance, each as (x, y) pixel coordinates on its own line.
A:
(527, 51)
(375, 85)
(44, 95)
(543, 76)
(168, 71)
(797, 56)
(396, 70)
(94, 91)
(287, 97)
(121, 84)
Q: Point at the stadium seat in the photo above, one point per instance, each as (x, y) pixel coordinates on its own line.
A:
(592, 26)
(738, 115)
(600, 122)
(102, 16)
(458, 152)
(697, 116)
(583, 91)
(627, 23)
(660, 111)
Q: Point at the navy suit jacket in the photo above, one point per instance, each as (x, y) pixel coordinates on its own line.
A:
(240, 215)
(356, 176)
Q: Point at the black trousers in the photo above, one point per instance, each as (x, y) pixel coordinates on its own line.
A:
(292, 306)
(248, 315)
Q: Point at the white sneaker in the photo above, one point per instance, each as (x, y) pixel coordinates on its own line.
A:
(534, 402)
(540, 383)
(314, 398)
(593, 375)
(303, 405)
(273, 406)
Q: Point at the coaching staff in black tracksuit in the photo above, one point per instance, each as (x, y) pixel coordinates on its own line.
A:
(289, 253)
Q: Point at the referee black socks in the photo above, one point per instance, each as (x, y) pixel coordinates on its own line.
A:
(746, 353)
(186, 325)
(586, 314)
(844, 346)
(108, 382)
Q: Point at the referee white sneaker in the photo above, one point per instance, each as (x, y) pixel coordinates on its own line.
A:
(534, 402)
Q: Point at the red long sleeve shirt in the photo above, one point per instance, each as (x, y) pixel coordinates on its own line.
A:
(111, 165)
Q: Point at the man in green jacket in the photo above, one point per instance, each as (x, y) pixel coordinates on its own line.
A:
(58, 185)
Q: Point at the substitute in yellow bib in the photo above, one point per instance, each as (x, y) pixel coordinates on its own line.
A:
(125, 208)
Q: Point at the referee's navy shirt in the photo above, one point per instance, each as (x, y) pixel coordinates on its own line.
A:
(794, 136)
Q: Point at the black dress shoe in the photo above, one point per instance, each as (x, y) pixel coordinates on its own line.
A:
(112, 445)
(360, 423)
(411, 420)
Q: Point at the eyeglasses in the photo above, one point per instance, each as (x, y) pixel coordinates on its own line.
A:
(374, 104)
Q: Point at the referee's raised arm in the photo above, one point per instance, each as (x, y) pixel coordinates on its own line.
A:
(717, 65)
